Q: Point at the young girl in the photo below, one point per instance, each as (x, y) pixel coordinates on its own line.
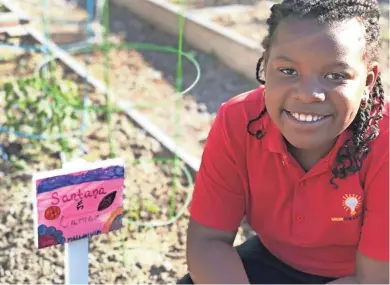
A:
(305, 158)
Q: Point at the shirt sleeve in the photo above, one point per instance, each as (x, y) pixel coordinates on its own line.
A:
(218, 199)
(374, 240)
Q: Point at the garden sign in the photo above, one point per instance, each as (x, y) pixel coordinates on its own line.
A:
(78, 202)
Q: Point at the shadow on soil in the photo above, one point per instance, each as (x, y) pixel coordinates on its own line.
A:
(218, 82)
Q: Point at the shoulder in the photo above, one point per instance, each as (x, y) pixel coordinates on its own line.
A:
(230, 125)
(238, 110)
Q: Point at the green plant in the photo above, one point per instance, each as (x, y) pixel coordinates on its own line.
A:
(137, 205)
(40, 110)
(150, 206)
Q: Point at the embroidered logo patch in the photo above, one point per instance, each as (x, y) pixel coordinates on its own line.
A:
(351, 203)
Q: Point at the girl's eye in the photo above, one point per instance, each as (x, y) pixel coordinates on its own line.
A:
(288, 71)
(336, 76)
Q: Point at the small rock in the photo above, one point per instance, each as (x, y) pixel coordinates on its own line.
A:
(11, 222)
(143, 258)
(202, 108)
(168, 265)
(3, 228)
(155, 75)
(155, 146)
(58, 281)
(164, 276)
(202, 137)
(59, 270)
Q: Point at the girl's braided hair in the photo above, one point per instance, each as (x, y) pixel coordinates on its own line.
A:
(365, 125)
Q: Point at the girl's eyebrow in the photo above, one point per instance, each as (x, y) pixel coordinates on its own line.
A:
(341, 64)
(283, 57)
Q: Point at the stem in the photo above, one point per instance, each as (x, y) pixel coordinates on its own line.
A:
(106, 25)
(179, 86)
(62, 141)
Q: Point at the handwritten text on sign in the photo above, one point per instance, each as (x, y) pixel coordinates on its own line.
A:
(79, 204)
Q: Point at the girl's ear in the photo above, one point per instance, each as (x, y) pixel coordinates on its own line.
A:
(372, 75)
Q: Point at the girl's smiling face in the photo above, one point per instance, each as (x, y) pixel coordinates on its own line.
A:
(316, 78)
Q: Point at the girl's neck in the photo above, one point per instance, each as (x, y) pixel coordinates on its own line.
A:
(307, 158)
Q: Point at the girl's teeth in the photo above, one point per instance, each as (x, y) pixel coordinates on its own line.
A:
(306, 118)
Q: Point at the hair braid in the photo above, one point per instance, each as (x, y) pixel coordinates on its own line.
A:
(364, 127)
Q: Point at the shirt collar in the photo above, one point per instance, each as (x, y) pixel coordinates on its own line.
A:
(273, 139)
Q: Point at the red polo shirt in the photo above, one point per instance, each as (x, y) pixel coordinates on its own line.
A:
(298, 215)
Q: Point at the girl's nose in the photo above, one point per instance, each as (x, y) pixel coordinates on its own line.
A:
(310, 92)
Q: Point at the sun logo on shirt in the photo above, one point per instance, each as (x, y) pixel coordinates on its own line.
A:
(351, 202)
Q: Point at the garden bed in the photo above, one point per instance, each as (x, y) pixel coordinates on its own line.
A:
(61, 21)
(148, 188)
(134, 254)
(132, 78)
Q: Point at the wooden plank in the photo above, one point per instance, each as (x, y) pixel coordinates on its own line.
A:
(11, 19)
(237, 52)
(14, 31)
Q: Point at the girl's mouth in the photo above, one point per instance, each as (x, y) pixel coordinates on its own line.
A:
(307, 118)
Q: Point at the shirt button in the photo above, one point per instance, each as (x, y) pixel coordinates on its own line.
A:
(300, 218)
